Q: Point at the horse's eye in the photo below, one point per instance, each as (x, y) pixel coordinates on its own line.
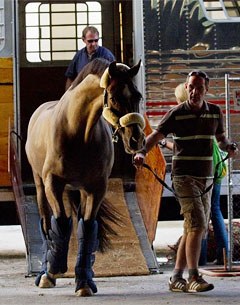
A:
(113, 100)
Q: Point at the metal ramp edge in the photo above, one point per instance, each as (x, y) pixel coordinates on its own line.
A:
(141, 232)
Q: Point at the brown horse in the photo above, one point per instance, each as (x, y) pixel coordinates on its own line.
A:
(69, 145)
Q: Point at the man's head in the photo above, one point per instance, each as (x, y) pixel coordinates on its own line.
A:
(90, 37)
(197, 85)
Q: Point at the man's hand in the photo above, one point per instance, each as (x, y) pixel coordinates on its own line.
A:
(232, 150)
(151, 140)
(139, 159)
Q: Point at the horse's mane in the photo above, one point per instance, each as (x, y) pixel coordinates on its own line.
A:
(97, 66)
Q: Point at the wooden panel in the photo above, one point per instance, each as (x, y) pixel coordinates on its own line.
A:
(3, 164)
(3, 145)
(6, 70)
(4, 175)
(6, 114)
(5, 179)
(6, 93)
(148, 189)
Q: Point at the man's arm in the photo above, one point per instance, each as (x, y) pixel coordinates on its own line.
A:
(226, 145)
(151, 140)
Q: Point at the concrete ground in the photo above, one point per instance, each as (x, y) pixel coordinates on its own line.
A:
(15, 288)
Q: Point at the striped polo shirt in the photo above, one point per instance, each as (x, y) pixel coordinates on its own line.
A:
(193, 136)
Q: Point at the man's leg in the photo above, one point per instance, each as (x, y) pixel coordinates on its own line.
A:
(193, 248)
(181, 254)
(177, 283)
(188, 254)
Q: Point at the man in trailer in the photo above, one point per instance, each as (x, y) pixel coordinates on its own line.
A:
(90, 37)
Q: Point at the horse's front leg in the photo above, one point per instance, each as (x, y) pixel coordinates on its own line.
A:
(87, 243)
(58, 235)
(44, 226)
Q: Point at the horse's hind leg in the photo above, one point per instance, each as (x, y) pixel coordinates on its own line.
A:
(87, 244)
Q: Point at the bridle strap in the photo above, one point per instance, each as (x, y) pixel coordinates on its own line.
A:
(117, 125)
(105, 96)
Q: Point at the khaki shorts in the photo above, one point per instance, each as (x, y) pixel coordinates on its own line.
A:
(195, 208)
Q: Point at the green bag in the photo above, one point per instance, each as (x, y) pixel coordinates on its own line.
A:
(218, 156)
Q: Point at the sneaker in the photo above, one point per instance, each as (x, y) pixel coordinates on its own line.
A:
(198, 284)
(179, 285)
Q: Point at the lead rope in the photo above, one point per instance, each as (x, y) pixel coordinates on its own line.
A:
(216, 176)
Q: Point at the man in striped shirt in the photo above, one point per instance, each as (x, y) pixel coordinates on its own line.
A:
(193, 124)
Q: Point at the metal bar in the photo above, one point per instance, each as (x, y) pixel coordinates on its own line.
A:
(234, 78)
(138, 48)
(229, 178)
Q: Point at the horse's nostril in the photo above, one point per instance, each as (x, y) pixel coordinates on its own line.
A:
(137, 143)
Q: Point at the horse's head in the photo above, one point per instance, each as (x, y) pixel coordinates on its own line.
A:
(121, 105)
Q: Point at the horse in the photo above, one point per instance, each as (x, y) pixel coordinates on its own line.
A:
(70, 146)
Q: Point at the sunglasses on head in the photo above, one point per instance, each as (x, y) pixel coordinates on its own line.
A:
(199, 73)
(92, 40)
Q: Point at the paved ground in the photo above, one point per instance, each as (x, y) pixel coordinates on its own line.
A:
(142, 290)
(16, 289)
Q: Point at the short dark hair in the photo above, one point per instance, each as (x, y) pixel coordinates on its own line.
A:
(199, 73)
(91, 29)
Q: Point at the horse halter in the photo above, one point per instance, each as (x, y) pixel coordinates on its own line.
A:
(112, 118)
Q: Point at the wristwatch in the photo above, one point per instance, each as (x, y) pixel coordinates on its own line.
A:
(163, 143)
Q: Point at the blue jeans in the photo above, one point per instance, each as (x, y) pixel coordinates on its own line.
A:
(219, 228)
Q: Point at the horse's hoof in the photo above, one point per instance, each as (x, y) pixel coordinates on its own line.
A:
(85, 288)
(46, 281)
(84, 292)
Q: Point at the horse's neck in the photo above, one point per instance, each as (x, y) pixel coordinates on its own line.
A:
(85, 103)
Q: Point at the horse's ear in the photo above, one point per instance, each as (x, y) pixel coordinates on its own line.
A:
(112, 68)
(134, 70)
(104, 81)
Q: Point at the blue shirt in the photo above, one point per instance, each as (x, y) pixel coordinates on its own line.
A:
(81, 59)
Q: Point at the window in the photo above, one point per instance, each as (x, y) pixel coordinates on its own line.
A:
(221, 10)
(2, 25)
(54, 30)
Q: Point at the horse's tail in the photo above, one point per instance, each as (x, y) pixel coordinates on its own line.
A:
(109, 218)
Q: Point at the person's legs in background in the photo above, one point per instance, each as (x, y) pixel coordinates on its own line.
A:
(203, 253)
(219, 228)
